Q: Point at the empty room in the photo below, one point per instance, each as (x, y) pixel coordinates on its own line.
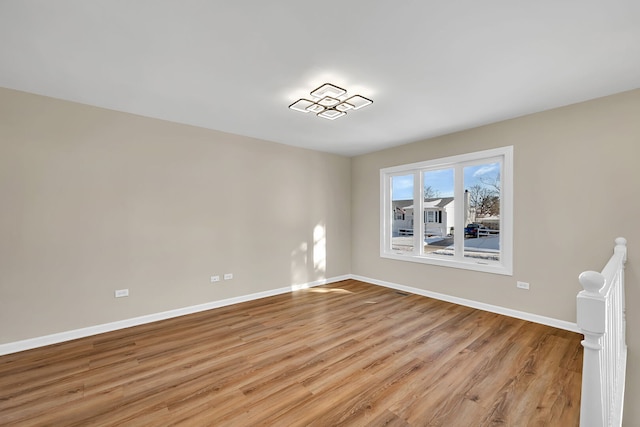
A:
(288, 213)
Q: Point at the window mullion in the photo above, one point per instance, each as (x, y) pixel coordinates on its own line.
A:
(460, 208)
(385, 210)
(418, 214)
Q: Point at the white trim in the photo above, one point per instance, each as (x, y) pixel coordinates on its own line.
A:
(448, 161)
(504, 266)
(560, 324)
(452, 263)
(60, 337)
(28, 344)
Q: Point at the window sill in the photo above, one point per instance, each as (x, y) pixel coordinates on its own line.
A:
(481, 266)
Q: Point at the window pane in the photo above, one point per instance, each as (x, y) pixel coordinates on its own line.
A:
(482, 221)
(402, 213)
(438, 216)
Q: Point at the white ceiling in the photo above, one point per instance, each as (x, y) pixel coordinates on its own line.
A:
(431, 67)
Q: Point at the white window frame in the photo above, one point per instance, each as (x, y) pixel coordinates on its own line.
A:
(505, 265)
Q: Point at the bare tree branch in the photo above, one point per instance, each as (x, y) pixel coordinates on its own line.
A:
(430, 192)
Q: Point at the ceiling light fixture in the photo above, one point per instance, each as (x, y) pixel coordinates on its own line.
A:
(330, 102)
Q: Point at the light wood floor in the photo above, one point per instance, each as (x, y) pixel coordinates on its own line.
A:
(349, 353)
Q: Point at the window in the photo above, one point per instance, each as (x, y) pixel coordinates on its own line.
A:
(467, 211)
(432, 216)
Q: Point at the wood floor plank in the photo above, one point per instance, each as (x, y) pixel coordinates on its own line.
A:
(348, 353)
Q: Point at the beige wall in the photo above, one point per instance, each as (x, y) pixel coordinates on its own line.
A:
(93, 200)
(577, 187)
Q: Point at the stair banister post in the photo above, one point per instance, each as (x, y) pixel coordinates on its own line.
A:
(621, 247)
(591, 316)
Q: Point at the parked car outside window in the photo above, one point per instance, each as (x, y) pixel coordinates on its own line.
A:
(472, 229)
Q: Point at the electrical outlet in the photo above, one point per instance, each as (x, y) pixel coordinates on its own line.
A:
(122, 293)
(522, 285)
(228, 276)
(215, 279)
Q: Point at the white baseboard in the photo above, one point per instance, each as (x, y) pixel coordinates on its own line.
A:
(560, 324)
(42, 341)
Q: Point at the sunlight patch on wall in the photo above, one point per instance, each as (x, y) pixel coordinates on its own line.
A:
(319, 249)
(309, 259)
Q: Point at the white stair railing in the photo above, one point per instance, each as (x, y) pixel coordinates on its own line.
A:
(601, 318)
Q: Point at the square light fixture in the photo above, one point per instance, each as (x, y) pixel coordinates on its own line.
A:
(358, 101)
(343, 106)
(331, 114)
(330, 102)
(328, 89)
(302, 105)
(315, 108)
